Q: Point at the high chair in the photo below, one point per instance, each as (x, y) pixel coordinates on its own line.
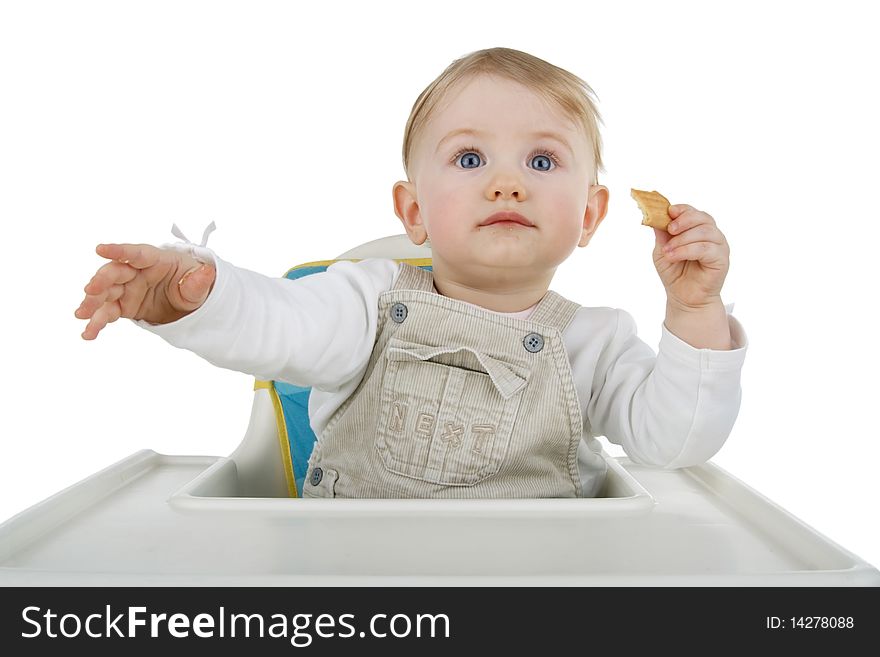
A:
(154, 519)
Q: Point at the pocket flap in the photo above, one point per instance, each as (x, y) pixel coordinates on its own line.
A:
(507, 378)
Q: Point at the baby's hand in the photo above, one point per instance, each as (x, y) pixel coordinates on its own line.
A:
(143, 282)
(692, 259)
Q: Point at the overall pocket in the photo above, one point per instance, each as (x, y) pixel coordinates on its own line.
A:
(447, 413)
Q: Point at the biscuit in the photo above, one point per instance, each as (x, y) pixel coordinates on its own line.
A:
(654, 207)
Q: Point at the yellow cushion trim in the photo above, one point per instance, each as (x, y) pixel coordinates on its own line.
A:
(283, 439)
(415, 262)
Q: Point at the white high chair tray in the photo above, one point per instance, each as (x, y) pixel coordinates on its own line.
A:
(153, 519)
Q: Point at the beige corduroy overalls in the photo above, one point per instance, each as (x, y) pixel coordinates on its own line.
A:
(456, 402)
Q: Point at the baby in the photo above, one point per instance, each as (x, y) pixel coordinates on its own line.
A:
(473, 380)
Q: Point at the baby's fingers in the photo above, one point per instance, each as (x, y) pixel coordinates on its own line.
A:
(94, 301)
(685, 217)
(709, 254)
(702, 233)
(113, 273)
(107, 313)
(138, 256)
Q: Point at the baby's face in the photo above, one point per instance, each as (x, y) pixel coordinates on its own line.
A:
(497, 146)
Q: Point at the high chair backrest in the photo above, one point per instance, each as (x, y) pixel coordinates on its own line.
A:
(294, 437)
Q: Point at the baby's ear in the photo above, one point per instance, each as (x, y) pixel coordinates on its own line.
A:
(406, 207)
(597, 207)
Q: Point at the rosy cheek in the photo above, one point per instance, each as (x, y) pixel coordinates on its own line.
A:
(442, 206)
(571, 227)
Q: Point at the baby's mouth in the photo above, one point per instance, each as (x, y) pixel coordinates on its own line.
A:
(507, 219)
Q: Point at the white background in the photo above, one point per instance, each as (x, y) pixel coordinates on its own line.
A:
(283, 123)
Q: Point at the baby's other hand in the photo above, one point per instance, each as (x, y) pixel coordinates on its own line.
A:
(692, 259)
(143, 282)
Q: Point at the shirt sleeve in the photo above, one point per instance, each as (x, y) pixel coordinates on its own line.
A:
(315, 331)
(671, 410)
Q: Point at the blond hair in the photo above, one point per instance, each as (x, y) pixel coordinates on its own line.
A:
(556, 85)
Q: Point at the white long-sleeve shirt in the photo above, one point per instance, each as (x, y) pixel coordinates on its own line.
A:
(672, 409)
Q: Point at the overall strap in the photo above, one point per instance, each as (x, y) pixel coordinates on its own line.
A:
(554, 310)
(413, 278)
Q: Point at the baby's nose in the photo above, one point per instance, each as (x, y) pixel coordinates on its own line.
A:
(503, 188)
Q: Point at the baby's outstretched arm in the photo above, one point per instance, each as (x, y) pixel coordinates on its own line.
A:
(143, 282)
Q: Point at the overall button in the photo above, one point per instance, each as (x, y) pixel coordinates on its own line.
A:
(317, 475)
(533, 343)
(398, 312)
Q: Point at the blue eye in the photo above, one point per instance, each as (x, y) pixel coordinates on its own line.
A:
(468, 158)
(545, 163)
